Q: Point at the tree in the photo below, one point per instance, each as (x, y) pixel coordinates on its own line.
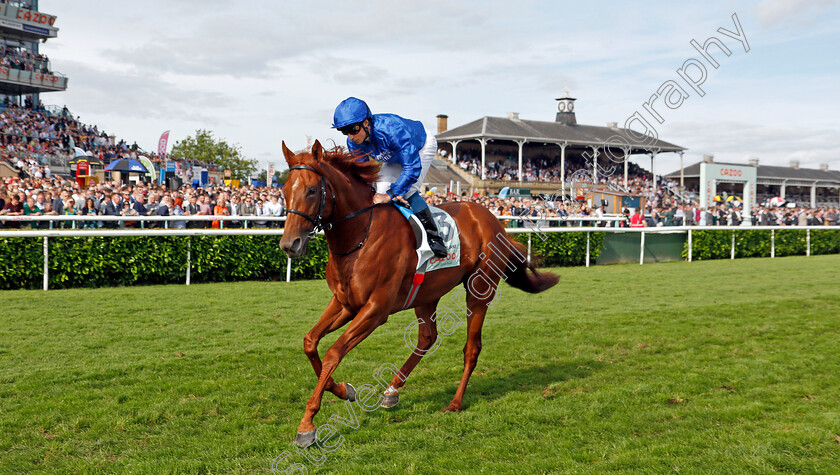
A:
(205, 148)
(281, 177)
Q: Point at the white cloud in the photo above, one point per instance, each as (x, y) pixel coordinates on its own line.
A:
(792, 12)
(738, 141)
(259, 72)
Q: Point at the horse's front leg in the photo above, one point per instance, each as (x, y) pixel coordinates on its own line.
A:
(369, 317)
(334, 317)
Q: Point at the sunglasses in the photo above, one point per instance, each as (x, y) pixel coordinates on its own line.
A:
(351, 129)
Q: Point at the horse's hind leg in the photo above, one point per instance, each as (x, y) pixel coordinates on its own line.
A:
(333, 318)
(427, 335)
(477, 303)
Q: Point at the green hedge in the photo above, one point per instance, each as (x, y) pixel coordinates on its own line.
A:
(109, 261)
(563, 249)
(117, 261)
(789, 242)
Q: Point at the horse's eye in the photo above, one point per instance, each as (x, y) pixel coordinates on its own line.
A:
(311, 190)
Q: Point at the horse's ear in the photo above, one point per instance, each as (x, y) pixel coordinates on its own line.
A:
(317, 151)
(290, 156)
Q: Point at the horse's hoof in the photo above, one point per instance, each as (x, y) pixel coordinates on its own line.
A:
(351, 392)
(305, 439)
(452, 407)
(390, 400)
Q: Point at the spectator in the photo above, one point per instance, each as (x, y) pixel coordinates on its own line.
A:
(690, 215)
(638, 218)
(679, 216)
(831, 217)
(89, 209)
(139, 206)
(12, 208)
(162, 209)
(176, 210)
(273, 208)
(220, 209)
(193, 209)
(233, 210)
(206, 209)
(112, 207)
(69, 210)
(152, 205)
(247, 208)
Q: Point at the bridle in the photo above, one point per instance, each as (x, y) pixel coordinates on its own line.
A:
(319, 222)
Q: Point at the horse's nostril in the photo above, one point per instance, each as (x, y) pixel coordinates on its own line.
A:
(295, 247)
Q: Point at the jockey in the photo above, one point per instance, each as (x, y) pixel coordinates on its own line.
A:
(406, 151)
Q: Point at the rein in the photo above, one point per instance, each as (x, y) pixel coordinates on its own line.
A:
(319, 222)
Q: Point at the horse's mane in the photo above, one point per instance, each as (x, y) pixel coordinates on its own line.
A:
(353, 164)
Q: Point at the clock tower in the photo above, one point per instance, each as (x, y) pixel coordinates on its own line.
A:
(566, 109)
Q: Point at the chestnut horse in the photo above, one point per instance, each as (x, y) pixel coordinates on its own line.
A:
(372, 262)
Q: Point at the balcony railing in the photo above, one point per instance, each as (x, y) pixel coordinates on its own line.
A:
(53, 81)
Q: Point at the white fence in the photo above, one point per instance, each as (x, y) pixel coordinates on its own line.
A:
(74, 219)
(531, 228)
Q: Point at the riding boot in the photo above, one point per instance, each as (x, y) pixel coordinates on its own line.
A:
(435, 241)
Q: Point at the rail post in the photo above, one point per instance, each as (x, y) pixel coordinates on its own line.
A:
(642, 250)
(807, 242)
(689, 245)
(529, 248)
(46, 263)
(772, 243)
(587, 248)
(732, 252)
(189, 264)
(288, 269)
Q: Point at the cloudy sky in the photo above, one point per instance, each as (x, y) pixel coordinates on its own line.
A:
(259, 72)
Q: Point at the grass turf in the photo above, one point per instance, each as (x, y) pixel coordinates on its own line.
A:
(721, 366)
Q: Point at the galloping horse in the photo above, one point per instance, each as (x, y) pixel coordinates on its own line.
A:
(372, 262)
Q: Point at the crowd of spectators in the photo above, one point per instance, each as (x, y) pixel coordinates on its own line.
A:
(51, 195)
(539, 168)
(725, 214)
(27, 135)
(30, 136)
(34, 133)
(60, 197)
(545, 210)
(24, 60)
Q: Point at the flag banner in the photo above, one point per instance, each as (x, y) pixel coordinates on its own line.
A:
(164, 140)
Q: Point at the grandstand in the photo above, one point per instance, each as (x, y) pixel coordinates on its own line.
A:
(25, 73)
(42, 141)
(495, 152)
(804, 186)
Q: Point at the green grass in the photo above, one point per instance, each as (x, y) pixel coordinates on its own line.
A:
(717, 366)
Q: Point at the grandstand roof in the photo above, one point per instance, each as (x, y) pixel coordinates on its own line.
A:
(767, 174)
(513, 128)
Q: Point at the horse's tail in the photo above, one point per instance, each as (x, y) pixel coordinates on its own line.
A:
(524, 275)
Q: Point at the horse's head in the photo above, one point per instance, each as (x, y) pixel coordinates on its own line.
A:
(306, 199)
(322, 183)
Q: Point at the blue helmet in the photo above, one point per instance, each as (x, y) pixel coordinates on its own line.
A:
(350, 111)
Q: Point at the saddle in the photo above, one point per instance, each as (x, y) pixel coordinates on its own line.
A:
(426, 262)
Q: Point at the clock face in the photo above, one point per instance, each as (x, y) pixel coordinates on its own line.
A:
(571, 106)
(561, 106)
